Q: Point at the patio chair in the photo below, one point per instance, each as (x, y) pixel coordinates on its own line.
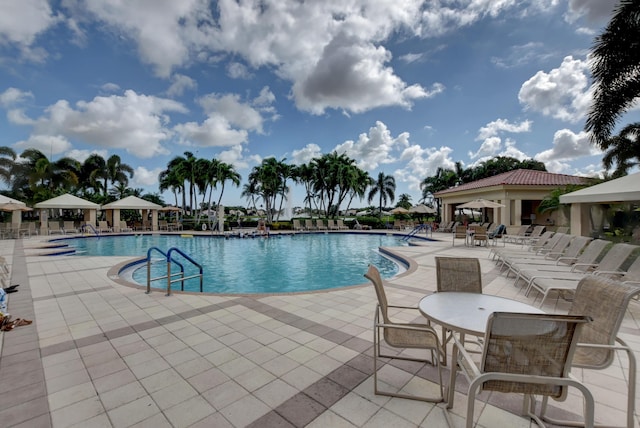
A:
(461, 274)
(480, 236)
(341, 225)
(564, 282)
(54, 227)
(566, 257)
(69, 227)
(296, 225)
(606, 302)
(460, 232)
(163, 225)
(516, 234)
(401, 335)
(124, 227)
(555, 245)
(528, 354)
(320, 224)
(308, 224)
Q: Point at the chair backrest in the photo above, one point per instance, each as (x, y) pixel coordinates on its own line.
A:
(296, 223)
(480, 233)
(633, 272)
(561, 243)
(530, 344)
(54, 225)
(320, 224)
(68, 225)
(591, 253)
(547, 240)
(309, 223)
(537, 231)
(458, 274)
(373, 275)
(460, 231)
(330, 224)
(576, 245)
(123, 225)
(615, 257)
(605, 301)
(562, 229)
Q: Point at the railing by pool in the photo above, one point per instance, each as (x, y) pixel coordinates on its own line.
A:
(171, 277)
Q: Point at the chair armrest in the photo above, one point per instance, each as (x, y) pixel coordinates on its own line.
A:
(463, 354)
(565, 259)
(412, 327)
(588, 265)
(607, 272)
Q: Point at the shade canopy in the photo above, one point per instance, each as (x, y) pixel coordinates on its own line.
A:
(623, 189)
(399, 210)
(14, 206)
(67, 201)
(4, 200)
(480, 203)
(131, 203)
(422, 209)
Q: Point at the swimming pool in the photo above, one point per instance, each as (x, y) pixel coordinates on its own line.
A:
(280, 264)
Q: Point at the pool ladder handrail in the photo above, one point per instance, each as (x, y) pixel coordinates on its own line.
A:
(87, 225)
(170, 276)
(415, 231)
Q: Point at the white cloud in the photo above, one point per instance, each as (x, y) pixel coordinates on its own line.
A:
(215, 131)
(237, 70)
(143, 177)
(235, 112)
(235, 156)
(592, 10)
(180, 83)
(21, 22)
(489, 135)
(374, 148)
(110, 87)
(136, 123)
(563, 93)
(14, 96)
(47, 144)
(567, 146)
(422, 163)
(304, 155)
(82, 155)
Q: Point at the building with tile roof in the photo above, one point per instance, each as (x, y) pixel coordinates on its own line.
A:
(520, 191)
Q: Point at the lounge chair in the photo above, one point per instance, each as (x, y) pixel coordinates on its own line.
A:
(297, 226)
(320, 224)
(69, 227)
(563, 282)
(332, 225)
(341, 225)
(401, 335)
(54, 227)
(124, 227)
(555, 245)
(103, 226)
(308, 224)
(163, 225)
(566, 257)
(516, 234)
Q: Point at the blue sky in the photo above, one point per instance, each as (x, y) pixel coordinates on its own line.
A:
(403, 87)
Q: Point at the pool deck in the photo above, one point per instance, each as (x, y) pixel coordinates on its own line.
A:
(100, 354)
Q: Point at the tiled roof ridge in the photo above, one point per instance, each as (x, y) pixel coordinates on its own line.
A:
(526, 177)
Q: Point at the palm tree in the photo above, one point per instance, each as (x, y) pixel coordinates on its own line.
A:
(225, 172)
(7, 160)
(43, 179)
(384, 187)
(169, 180)
(404, 201)
(615, 67)
(93, 173)
(116, 172)
(623, 150)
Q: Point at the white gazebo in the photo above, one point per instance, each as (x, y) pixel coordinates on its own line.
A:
(131, 203)
(67, 202)
(620, 190)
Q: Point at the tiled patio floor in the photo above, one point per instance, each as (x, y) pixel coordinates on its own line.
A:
(100, 354)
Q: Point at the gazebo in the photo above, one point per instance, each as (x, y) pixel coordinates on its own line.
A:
(621, 190)
(131, 203)
(67, 202)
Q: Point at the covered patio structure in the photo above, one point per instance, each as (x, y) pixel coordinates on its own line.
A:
(621, 190)
(520, 191)
(16, 216)
(67, 202)
(132, 203)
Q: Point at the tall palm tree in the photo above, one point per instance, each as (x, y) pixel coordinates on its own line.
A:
(93, 173)
(615, 67)
(43, 178)
(7, 161)
(623, 150)
(385, 188)
(117, 172)
(404, 201)
(225, 172)
(169, 180)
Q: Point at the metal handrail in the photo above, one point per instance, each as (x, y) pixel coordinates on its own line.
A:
(169, 281)
(166, 257)
(84, 226)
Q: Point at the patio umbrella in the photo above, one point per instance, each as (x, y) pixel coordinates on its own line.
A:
(422, 209)
(399, 210)
(481, 204)
(14, 206)
(169, 208)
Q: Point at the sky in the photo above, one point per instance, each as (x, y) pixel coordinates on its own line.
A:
(401, 86)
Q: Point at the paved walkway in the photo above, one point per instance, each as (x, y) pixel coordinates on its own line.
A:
(100, 354)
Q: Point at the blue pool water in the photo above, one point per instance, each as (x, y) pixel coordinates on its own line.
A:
(290, 263)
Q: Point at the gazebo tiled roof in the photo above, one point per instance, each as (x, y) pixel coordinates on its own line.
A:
(519, 177)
